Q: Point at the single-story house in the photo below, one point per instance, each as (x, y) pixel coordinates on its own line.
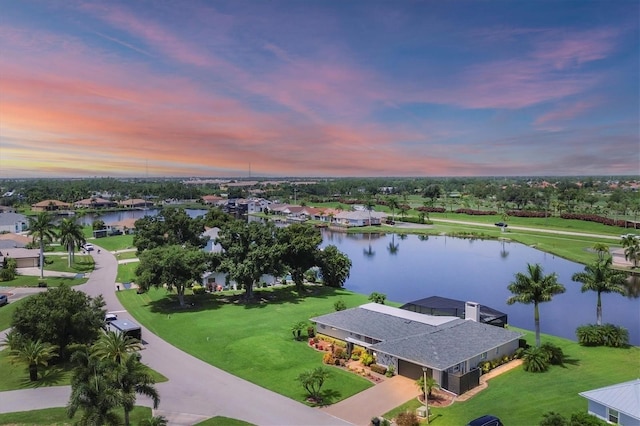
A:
(436, 305)
(616, 404)
(447, 348)
(94, 203)
(135, 203)
(125, 226)
(213, 200)
(25, 258)
(13, 222)
(50, 205)
(13, 240)
(358, 218)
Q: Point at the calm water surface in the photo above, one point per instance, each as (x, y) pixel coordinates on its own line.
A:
(476, 270)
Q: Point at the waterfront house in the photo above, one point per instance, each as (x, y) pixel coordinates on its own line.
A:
(617, 404)
(50, 205)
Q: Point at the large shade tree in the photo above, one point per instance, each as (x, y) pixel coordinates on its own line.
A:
(43, 231)
(534, 287)
(601, 278)
(170, 227)
(299, 250)
(71, 237)
(60, 316)
(174, 267)
(335, 266)
(249, 250)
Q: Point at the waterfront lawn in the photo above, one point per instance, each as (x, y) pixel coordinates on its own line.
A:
(519, 398)
(58, 416)
(251, 341)
(115, 242)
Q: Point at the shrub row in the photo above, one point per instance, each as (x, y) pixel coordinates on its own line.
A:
(489, 365)
(476, 212)
(527, 213)
(431, 209)
(198, 289)
(600, 219)
(336, 342)
(602, 335)
(377, 368)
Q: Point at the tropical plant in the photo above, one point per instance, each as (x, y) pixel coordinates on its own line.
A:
(42, 229)
(554, 353)
(33, 354)
(631, 244)
(599, 277)
(602, 249)
(95, 396)
(431, 384)
(155, 421)
(335, 266)
(553, 419)
(339, 305)
(133, 378)
(407, 418)
(296, 329)
(535, 360)
(392, 203)
(536, 288)
(312, 381)
(9, 269)
(115, 346)
(376, 297)
(71, 236)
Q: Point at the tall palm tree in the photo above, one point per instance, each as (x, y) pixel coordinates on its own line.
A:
(536, 288)
(631, 244)
(33, 354)
(133, 377)
(599, 277)
(602, 249)
(392, 203)
(369, 205)
(42, 229)
(96, 397)
(71, 236)
(115, 346)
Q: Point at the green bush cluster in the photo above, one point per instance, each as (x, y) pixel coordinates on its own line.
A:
(390, 371)
(335, 342)
(537, 360)
(577, 419)
(366, 359)
(197, 289)
(9, 268)
(489, 365)
(603, 335)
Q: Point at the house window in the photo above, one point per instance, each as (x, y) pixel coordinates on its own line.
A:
(323, 326)
(612, 416)
(483, 356)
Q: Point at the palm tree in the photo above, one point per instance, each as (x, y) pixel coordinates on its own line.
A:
(631, 244)
(33, 354)
(133, 377)
(369, 205)
(601, 249)
(392, 203)
(95, 396)
(115, 346)
(599, 277)
(155, 421)
(534, 288)
(41, 228)
(71, 236)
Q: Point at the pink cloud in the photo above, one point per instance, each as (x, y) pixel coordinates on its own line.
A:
(567, 50)
(566, 112)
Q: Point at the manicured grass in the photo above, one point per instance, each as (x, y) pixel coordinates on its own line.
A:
(58, 416)
(83, 263)
(251, 341)
(6, 313)
(127, 272)
(32, 281)
(520, 398)
(126, 255)
(115, 242)
(223, 421)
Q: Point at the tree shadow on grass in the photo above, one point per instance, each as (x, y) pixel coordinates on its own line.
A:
(262, 297)
(569, 361)
(50, 376)
(330, 396)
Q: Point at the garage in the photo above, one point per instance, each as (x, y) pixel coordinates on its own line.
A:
(411, 370)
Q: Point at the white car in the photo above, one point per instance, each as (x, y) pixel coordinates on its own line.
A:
(88, 247)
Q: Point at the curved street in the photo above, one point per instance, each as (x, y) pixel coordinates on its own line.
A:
(195, 390)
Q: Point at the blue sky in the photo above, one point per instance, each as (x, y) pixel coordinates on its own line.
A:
(319, 88)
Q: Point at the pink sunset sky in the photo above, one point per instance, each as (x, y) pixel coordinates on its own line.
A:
(319, 88)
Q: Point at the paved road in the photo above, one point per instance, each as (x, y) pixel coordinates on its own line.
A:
(195, 390)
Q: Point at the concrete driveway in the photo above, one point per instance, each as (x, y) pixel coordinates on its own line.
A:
(195, 390)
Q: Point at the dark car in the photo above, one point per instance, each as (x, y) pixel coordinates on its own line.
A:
(501, 224)
(486, 421)
(3, 299)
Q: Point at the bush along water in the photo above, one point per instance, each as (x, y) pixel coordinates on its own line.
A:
(603, 335)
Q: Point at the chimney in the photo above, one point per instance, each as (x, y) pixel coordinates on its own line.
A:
(472, 311)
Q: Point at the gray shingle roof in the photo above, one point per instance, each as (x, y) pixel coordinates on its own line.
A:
(11, 218)
(624, 397)
(437, 346)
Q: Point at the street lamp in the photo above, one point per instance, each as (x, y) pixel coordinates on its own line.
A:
(426, 401)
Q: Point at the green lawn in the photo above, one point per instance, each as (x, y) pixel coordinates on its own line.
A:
(32, 281)
(521, 398)
(6, 313)
(253, 341)
(83, 263)
(127, 272)
(115, 242)
(223, 421)
(58, 416)
(126, 255)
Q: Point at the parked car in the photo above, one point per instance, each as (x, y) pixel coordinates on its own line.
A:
(487, 420)
(110, 316)
(501, 224)
(88, 247)
(3, 299)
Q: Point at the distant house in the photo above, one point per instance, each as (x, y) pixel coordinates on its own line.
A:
(135, 203)
(447, 348)
(12, 240)
(124, 226)
(213, 200)
(616, 404)
(49, 206)
(436, 305)
(94, 203)
(358, 218)
(13, 222)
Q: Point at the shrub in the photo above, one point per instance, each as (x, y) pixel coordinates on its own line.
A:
(197, 289)
(535, 360)
(407, 418)
(602, 335)
(328, 358)
(390, 371)
(377, 368)
(553, 419)
(355, 357)
(339, 305)
(585, 419)
(339, 353)
(42, 284)
(554, 353)
(366, 359)
(9, 268)
(311, 331)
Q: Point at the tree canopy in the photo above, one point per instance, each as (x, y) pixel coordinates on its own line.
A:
(299, 250)
(170, 227)
(335, 266)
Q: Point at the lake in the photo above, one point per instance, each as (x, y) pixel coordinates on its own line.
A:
(411, 268)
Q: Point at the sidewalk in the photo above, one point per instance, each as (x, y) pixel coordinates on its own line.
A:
(35, 272)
